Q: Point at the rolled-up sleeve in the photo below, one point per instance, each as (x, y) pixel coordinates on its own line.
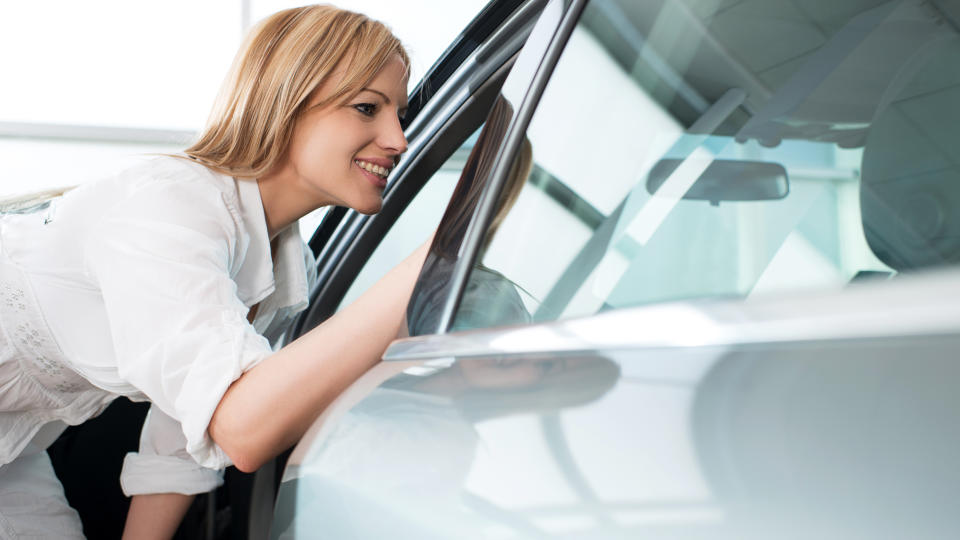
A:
(162, 260)
(163, 465)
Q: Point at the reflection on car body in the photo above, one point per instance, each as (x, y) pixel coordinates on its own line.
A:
(643, 313)
(856, 441)
(426, 417)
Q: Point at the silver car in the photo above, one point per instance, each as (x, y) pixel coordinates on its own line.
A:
(696, 279)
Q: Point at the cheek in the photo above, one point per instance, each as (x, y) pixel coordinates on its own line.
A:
(313, 150)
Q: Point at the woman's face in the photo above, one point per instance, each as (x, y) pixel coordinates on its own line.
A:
(341, 154)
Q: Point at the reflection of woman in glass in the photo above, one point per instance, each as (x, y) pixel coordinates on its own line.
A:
(489, 298)
(474, 179)
(161, 283)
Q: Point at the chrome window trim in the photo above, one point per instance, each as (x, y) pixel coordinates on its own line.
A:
(508, 147)
(905, 306)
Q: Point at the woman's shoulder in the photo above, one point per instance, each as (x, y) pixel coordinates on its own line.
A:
(158, 190)
(176, 170)
(156, 180)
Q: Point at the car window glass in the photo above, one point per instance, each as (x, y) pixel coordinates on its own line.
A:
(414, 225)
(704, 149)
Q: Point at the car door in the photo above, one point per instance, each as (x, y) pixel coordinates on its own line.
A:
(698, 279)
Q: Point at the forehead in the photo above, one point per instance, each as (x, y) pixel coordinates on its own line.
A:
(392, 81)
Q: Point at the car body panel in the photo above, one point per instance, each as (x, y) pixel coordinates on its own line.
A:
(757, 440)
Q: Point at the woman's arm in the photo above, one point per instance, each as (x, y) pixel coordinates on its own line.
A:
(269, 407)
(155, 516)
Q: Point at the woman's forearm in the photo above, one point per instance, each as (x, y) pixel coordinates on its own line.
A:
(269, 408)
(155, 516)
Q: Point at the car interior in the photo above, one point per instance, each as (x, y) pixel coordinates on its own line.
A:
(796, 163)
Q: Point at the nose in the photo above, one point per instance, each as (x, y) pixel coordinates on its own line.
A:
(391, 136)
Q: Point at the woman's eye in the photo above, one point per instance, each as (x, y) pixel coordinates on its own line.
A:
(366, 109)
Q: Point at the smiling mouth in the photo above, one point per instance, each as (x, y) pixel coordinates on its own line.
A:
(372, 168)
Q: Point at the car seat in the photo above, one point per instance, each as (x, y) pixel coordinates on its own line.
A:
(910, 176)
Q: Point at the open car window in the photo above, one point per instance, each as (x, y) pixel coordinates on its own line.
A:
(702, 149)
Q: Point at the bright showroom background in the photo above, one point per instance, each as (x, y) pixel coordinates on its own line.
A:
(91, 87)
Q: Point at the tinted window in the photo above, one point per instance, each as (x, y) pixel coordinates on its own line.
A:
(702, 149)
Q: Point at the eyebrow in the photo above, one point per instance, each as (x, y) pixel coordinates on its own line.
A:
(381, 94)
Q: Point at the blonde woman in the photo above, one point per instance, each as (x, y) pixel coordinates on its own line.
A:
(160, 284)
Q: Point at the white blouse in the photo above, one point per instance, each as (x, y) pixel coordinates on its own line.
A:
(139, 285)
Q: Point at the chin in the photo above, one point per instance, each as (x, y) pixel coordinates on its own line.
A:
(369, 208)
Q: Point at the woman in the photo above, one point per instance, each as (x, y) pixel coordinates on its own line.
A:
(160, 284)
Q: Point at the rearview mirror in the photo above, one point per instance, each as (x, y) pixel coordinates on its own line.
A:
(727, 180)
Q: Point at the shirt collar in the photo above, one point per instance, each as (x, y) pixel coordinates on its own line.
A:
(259, 275)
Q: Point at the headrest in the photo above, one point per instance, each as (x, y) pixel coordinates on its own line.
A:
(910, 179)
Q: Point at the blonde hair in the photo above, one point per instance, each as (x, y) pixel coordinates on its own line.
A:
(282, 61)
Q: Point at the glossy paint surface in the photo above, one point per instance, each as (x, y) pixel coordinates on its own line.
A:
(851, 439)
(845, 430)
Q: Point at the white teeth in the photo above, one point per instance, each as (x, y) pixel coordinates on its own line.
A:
(375, 169)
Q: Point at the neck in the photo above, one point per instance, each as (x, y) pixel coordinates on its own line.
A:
(282, 204)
